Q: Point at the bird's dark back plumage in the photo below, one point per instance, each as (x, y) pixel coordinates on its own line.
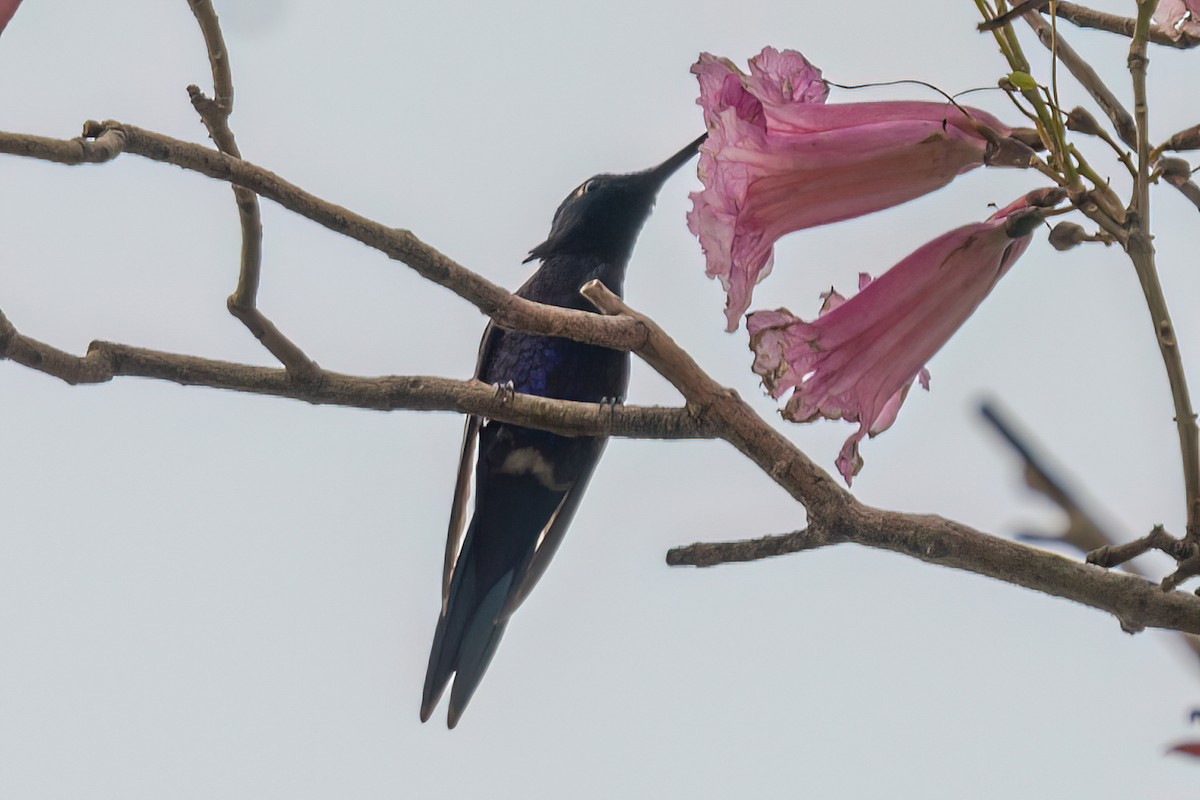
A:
(528, 483)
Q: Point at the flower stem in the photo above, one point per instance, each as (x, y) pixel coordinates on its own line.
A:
(1141, 252)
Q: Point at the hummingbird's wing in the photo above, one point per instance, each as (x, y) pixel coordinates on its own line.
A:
(552, 535)
(466, 468)
(458, 507)
(528, 484)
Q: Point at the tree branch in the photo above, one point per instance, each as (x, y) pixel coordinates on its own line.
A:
(103, 142)
(1140, 248)
(1135, 602)
(243, 303)
(107, 360)
(712, 410)
(1090, 18)
(738, 424)
(1082, 531)
(1121, 119)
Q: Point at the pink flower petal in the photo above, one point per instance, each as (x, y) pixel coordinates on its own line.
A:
(859, 358)
(1187, 748)
(7, 9)
(778, 159)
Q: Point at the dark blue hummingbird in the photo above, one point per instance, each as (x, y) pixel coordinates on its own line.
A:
(528, 483)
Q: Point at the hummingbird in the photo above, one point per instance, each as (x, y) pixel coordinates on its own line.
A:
(528, 482)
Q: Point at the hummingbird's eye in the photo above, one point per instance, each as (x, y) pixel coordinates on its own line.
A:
(587, 187)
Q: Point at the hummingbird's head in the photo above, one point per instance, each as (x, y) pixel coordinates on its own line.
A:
(604, 214)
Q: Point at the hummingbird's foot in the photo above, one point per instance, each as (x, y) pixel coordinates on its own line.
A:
(611, 404)
(505, 392)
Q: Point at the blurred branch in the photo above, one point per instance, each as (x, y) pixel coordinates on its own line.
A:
(1082, 531)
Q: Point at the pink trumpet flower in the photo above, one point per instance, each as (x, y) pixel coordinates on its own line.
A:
(860, 357)
(1178, 17)
(778, 159)
(7, 9)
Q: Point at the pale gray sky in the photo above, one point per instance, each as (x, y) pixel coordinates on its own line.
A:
(211, 595)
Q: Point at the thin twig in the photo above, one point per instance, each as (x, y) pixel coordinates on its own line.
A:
(1140, 248)
(1000, 20)
(1121, 119)
(1080, 120)
(1115, 555)
(711, 554)
(243, 303)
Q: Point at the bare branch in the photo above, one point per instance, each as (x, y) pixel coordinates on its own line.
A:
(1000, 20)
(102, 146)
(835, 516)
(1135, 602)
(1140, 248)
(243, 303)
(711, 408)
(218, 56)
(1121, 119)
(1113, 555)
(1082, 531)
(710, 554)
(106, 360)
(105, 141)
(1091, 18)
(739, 424)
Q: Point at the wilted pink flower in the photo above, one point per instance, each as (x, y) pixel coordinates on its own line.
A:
(1178, 17)
(778, 159)
(859, 358)
(7, 9)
